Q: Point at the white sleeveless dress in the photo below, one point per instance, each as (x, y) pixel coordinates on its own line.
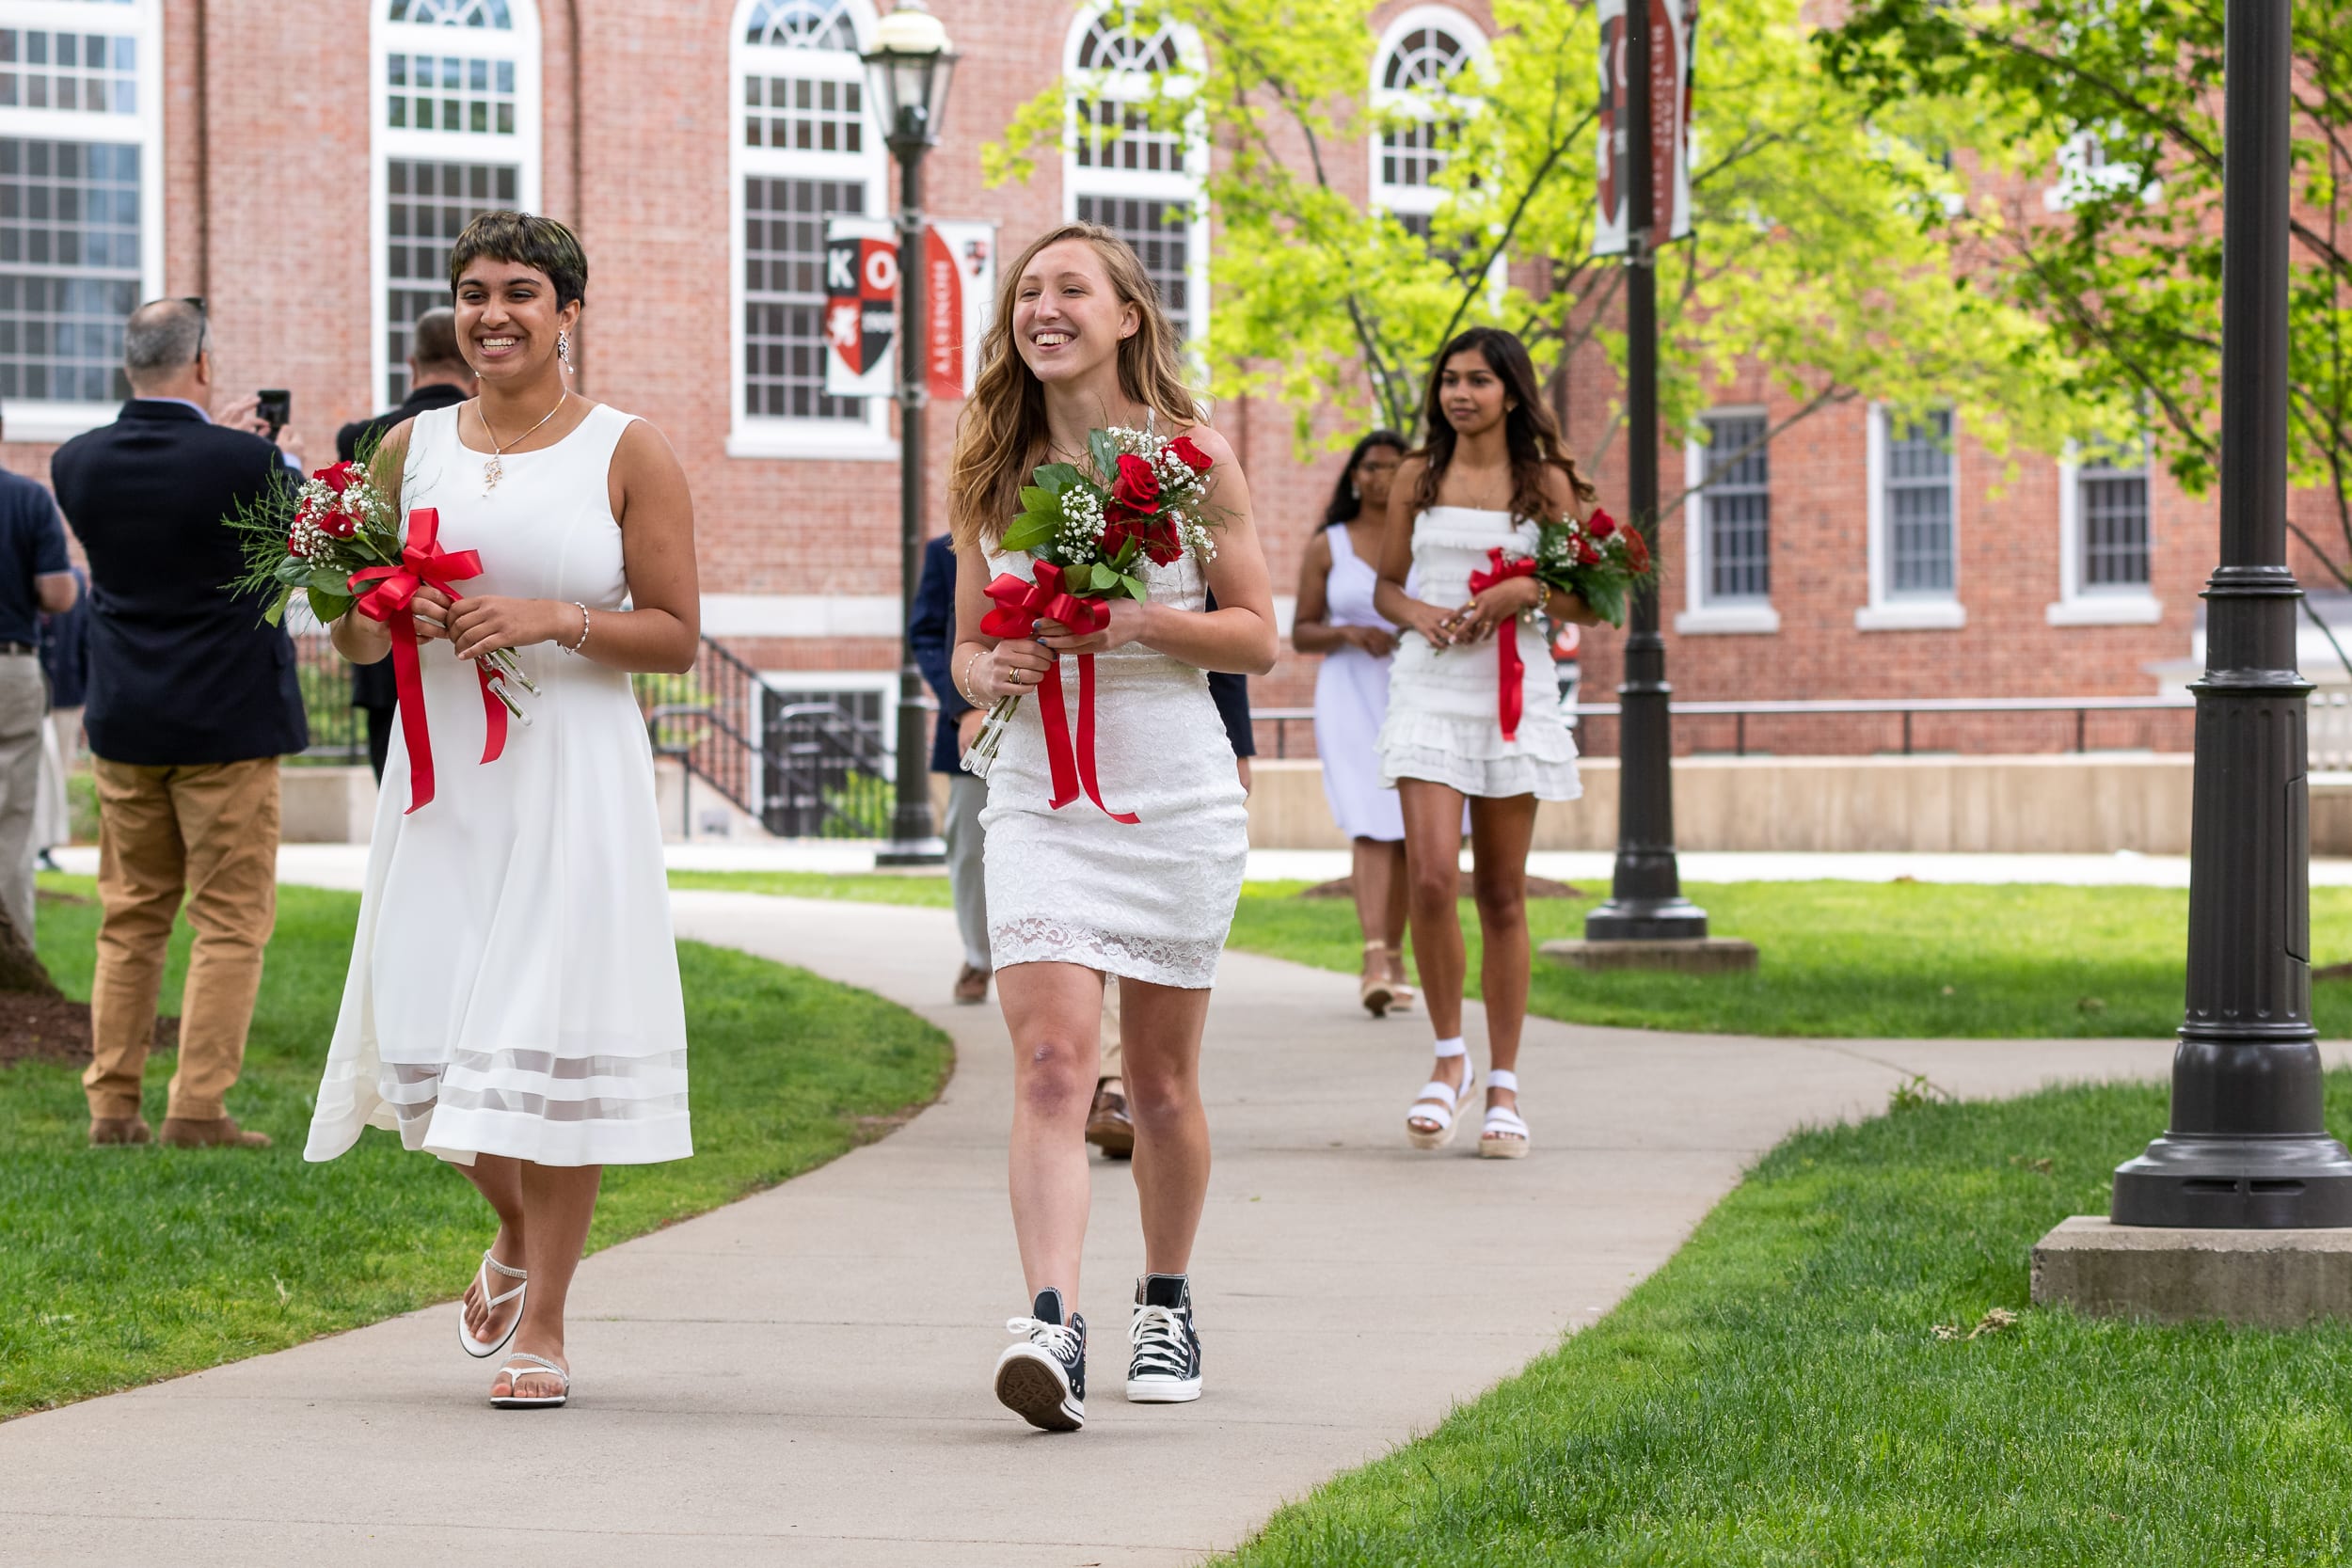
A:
(513, 985)
(1150, 901)
(1444, 721)
(1351, 700)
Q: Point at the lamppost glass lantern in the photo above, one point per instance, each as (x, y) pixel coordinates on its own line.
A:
(908, 70)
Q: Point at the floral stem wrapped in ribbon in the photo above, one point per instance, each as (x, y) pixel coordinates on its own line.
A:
(1141, 497)
(1595, 559)
(1510, 674)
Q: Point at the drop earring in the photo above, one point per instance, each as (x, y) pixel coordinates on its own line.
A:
(564, 348)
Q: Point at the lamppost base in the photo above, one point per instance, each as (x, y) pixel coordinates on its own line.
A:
(1674, 919)
(2245, 1182)
(919, 853)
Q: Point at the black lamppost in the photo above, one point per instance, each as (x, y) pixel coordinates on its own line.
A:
(1645, 902)
(907, 74)
(2247, 1145)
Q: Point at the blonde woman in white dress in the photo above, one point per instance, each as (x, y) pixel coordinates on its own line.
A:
(1080, 342)
(1492, 471)
(513, 1004)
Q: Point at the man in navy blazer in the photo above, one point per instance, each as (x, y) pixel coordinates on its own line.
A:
(933, 632)
(191, 701)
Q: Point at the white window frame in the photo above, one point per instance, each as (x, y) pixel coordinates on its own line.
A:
(866, 440)
(519, 43)
(2118, 605)
(816, 682)
(1418, 201)
(1703, 615)
(1188, 187)
(1886, 611)
(58, 420)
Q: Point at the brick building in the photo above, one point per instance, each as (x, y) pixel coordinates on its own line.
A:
(301, 164)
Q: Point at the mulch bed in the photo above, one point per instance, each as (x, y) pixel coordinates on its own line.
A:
(53, 1029)
(1537, 887)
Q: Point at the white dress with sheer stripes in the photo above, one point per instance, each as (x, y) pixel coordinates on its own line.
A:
(514, 985)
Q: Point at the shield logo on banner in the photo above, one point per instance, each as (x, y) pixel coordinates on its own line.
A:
(861, 302)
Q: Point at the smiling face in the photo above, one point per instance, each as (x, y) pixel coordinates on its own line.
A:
(1068, 320)
(1373, 474)
(507, 319)
(1471, 394)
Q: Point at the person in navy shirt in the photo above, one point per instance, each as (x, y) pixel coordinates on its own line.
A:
(35, 577)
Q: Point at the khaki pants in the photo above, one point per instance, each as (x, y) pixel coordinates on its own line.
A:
(209, 831)
(24, 705)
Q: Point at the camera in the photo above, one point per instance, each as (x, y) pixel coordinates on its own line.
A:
(275, 407)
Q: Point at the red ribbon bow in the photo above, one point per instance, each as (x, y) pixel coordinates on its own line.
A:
(1511, 691)
(423, 561)
(1019, 608)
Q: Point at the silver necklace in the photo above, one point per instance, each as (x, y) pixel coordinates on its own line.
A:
(495, 469)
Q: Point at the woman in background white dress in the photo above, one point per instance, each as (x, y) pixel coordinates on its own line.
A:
(1337, 573)
(1080, 342)
(1491, 473)
(513, 1004)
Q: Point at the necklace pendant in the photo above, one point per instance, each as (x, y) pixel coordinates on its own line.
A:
(492, 472)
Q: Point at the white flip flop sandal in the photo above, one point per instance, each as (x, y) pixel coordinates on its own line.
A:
(516, 1372)
(1504, 1134)
(1439, 1102)
(482, 1350)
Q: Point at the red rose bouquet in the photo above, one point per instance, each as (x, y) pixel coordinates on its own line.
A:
(1598, 560)
(1140, 497)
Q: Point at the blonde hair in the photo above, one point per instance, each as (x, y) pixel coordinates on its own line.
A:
(1001, 436)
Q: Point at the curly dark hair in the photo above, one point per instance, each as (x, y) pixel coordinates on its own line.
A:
(1528, 429)
(1346, 505)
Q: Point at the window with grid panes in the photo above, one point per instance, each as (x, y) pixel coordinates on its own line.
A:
(784, 296)
(1919, 507)
(427, 205)
(1737, 507)
(2111, 501)
(1161, 232)
(1422, 65)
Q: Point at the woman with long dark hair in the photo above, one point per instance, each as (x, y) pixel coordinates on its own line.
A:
(1080, 342)
(1336, 618)
(1491, 473)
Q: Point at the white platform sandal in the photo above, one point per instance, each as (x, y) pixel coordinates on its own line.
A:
(1504, 1136)
(539, 1365)
(1441, 1102)
(482, 1350)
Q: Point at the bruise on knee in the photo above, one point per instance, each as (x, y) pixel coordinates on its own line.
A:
(1051, 1081)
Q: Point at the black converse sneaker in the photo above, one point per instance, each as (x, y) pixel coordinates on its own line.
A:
(1043, 1378)
(1166, 1367)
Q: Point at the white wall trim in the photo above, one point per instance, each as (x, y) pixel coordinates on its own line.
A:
(1887, 611)
(828, 615)
(825, 440)
(1732, 619)
(2133, 606)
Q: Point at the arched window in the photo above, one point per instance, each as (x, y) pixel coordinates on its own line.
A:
(81, 204)
(456, 117)
(1416, 93)
(1121, 172)
(806, 149)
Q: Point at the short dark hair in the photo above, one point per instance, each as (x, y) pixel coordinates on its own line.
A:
(527, 240)
(433, 340)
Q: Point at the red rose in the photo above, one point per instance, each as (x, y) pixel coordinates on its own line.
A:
(1636, 552)
(1115, 534)
(342, 477)
(1161, 545)
(1602, 524)
(339, 524)
(1191, 456)
(1136, 486)
(1586, 555)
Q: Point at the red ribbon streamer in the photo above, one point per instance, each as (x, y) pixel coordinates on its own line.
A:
(1511, 692)
(423, 561)
(1019, 608)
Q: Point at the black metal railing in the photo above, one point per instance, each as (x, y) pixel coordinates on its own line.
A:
(339, 732)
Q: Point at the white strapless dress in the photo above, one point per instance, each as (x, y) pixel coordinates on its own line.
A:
(514, 985)
(1150, 901)
(1444, 721)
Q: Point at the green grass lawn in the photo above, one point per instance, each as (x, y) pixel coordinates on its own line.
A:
(1777, 1393)
(1898, 959)
(120, 1266)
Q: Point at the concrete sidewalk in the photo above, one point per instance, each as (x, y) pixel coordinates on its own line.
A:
(804, 1377)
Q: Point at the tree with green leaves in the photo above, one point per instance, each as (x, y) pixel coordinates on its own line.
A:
(1820, 249)
(2121, 100)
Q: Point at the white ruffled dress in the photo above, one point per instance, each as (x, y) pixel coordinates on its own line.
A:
(1444, 722)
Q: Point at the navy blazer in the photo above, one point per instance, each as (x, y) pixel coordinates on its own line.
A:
(934, 633)
(180, 672)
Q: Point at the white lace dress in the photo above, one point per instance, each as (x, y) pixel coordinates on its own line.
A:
(1444, 721)
(513, 984)
(1152, 900)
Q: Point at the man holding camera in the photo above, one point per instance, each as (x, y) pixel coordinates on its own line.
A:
(438, 377)
(192, 700)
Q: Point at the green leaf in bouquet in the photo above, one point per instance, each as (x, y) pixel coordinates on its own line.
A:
(1127, 556)
(1136, 588)
(328, 607)
(1057, 477)
(293, 572)
(1028, 531)
(274, 613)
(1605, 598)
(1103, 576)
(325, 579)
(1105, 451)
(1036, 498)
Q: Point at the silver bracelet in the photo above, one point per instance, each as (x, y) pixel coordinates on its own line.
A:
(963, 687)
(583, 641)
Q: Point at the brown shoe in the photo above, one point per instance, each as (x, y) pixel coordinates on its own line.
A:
(105, 1131)
(971, 984)
(220, 1132)
(1108, 1127)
